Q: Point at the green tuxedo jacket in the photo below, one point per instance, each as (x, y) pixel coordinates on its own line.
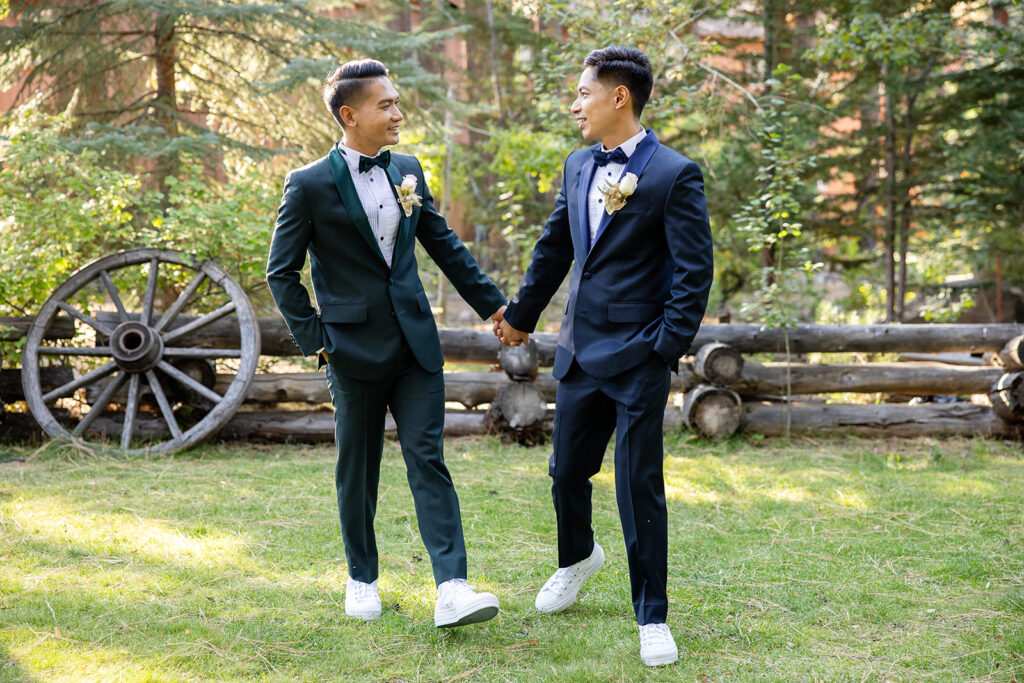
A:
(365, 308)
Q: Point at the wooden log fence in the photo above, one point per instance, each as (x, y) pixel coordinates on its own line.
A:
(722, 390)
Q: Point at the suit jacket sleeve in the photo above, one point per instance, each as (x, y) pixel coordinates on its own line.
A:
(454, 259)
(688, 234)
(551, 260)
(292, 236)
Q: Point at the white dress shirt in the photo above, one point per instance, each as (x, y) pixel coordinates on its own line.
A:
(611, 173)
(378, 200)
(379, 203)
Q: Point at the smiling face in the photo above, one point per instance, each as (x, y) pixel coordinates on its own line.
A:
(601, 111)
(373, 122)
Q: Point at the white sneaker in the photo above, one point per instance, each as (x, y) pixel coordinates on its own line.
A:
(458, 604)
(361, 600)
(657, 646)
(560, 590)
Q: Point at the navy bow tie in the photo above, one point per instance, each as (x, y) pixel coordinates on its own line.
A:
(382, 160)
(616, 156)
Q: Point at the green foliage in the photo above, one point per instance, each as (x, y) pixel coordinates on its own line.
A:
(59, 210)
(772, 221)
(62, 209)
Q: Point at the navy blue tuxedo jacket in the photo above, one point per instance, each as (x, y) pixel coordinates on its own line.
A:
(642, 287)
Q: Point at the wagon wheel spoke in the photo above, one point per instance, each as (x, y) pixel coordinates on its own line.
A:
(147, 300)
(202, 321)
(76, 384)
(114, 295)
(100, 405)
(168, 317)
(98, 351)
(165, 406)
(88, 320)
(188, 352)
(187, 381)
(131, 408)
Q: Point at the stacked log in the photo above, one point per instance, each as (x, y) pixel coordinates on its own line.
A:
(934, 419)
(1012, 355)
(1007, 397)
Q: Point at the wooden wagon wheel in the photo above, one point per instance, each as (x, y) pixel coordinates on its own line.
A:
(148, 346)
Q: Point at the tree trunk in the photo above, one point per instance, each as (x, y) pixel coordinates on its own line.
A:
(889, 220)
(166, 101)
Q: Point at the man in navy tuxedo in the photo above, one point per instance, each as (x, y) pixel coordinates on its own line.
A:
(641, 271)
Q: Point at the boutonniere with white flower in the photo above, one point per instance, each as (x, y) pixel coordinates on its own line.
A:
(615, 194)
(407, 196)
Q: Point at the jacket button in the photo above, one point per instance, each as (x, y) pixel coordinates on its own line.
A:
(392, 314)
(586, 275)
(391, 280)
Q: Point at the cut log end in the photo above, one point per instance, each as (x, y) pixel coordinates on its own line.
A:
(718, 363)
(1012, 355)
(1007, 397)
(712, 412)
(517, 414)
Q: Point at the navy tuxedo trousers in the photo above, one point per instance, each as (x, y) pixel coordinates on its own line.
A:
(632, 404)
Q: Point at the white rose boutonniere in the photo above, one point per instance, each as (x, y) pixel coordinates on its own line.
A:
(407, 196)
(615, 194)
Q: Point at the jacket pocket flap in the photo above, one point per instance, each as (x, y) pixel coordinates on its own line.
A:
(633, 311)
(343, 313)
(422, 302)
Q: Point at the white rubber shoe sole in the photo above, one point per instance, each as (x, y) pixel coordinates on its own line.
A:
(482, 608)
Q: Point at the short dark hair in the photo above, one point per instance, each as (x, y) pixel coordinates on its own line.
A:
(346, 85)
(617, 65)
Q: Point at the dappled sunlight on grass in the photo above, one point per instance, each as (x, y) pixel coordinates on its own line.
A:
(688, 492)
(150, 540)
(850, 499)
(818, 561)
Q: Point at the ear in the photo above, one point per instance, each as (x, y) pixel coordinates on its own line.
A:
(621, 96)
(348, 116)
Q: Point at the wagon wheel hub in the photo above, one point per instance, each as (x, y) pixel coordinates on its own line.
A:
(136, 347)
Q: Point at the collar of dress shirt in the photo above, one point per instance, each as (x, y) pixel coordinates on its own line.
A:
(629, 146)
(351, 158)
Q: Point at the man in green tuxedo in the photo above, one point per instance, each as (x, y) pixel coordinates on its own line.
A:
(357, 213)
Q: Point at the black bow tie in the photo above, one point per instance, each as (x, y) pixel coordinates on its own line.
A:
(382, 160)
(615, 156)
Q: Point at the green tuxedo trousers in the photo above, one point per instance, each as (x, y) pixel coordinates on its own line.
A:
(416, 400)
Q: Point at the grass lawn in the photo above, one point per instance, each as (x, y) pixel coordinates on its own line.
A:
(840, 559)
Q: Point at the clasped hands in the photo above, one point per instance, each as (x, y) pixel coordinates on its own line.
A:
(506, 334)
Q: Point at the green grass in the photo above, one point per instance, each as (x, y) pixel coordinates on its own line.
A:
(842, 559)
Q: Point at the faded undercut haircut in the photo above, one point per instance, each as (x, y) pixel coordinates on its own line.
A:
(617, 65)
(346, 85)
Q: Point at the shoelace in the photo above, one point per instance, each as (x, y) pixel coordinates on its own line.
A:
(560, 581)
(655, 634)
(362, 591)
(458, 587)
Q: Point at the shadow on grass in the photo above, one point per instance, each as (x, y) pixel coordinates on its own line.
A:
(10, 670)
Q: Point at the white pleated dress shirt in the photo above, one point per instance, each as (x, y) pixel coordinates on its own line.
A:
(378, 200)
(611, 173)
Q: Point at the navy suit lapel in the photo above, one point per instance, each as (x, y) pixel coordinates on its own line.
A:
(636, 165)
(586, 177)
(403, 226)
(350, 198)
